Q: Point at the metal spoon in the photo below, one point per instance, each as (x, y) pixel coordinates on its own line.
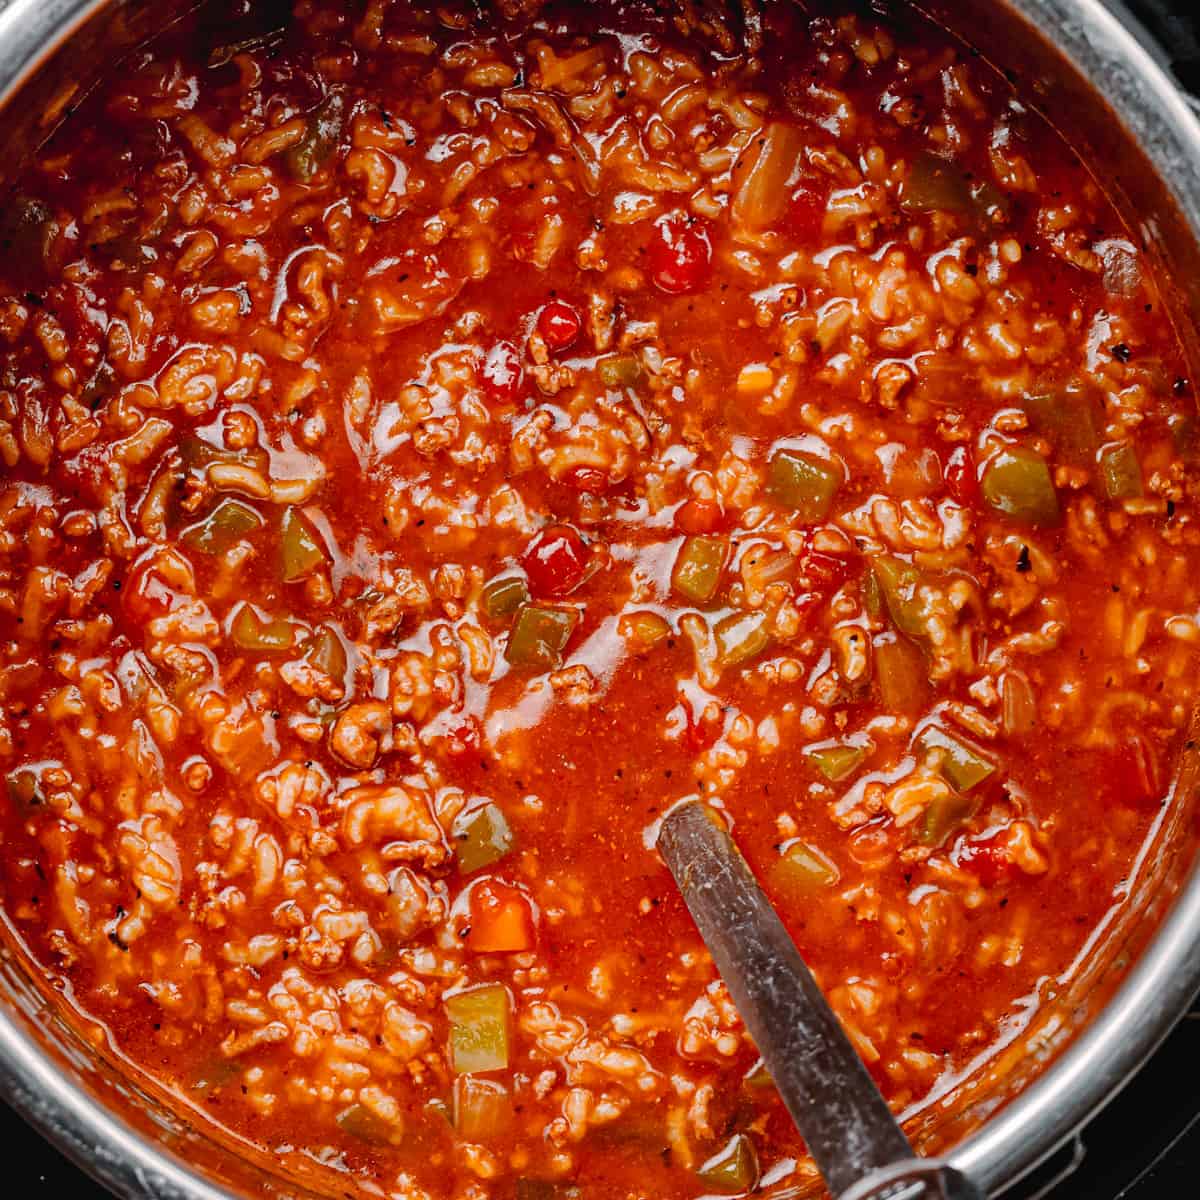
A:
(855, 1141)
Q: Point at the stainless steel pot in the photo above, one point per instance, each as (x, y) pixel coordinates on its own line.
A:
(1097, 76)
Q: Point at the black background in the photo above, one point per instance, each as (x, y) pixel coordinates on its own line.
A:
(1144, 1146)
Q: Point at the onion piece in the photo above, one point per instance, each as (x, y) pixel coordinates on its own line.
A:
(762, 173)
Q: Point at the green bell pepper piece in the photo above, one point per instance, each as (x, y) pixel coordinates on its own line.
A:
(943, 816)
(361, 1123)
(482, 1108)
(301, 551)
(479, 1029)
(733, 1170)
(1017, 483)
(803, 482)
(963, 766)
(539, 635)
(226, 525)
(621, 370)
(802, 871)
(836, 762)
(1120, 471)
(899, 584)
(741, 637)
(481, 837)
(320, 139)
(643, 630)
(502, 597)
(698, 567)
(249, 631)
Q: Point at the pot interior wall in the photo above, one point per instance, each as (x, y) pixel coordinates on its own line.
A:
(1148, 171)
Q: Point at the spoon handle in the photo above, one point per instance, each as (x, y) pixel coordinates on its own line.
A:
(843, 1118)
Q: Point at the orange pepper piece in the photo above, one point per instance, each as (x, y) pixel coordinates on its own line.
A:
(501, 919)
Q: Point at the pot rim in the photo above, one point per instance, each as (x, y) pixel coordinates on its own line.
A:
(1101, 46)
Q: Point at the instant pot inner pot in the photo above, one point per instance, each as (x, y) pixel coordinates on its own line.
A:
(64, 1078)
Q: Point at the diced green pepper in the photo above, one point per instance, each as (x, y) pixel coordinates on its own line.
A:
(872, 596)
(741, 637)
(836, 762)
(992, 206)
(25, 228)
(360, 1122)
(479, 1029)
(481, 837)
(1068, 416)
(101, 385)
(944, 815)
(802, 870)
(698, 566)
(324, 131)
(300, 548)
(23, 791)
(1185, 435)
(195, 454)
(901, 673)
(803, 482)
(502, 597)
(1018, 704)
(539, 635)
(214, 1073)
(126, 251)
(482, 1108)
(643, 630)
(621, 370)
(1017, 483)
(899, 583)
(935, 183)
(227, 524)
(758, 1077)
(733, 1169)
(326, 652)
(250, 632)
(963, 765)
(1120, 471)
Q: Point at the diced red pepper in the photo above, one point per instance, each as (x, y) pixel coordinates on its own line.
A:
(89, 468)
(1135, 775)
(679, 254)
(988, 860)
(806, 212)
(501, 919)
(148, 592)
(962, 480)
(701, 732)
(501, 374)
(463, 738)
(587, 479)
(699, 516)
(559, 324)
(823, 570)
(555, 561)
(808, 604)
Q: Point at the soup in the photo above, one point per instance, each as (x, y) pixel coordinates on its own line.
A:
(436, 440)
